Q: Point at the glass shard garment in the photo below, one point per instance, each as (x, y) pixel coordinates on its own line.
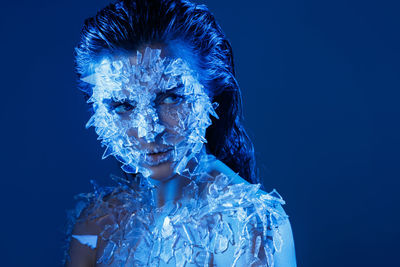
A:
(217, 223)
(152, 100)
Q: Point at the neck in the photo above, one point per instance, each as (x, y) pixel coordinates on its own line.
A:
(168, 191)
(172, 189)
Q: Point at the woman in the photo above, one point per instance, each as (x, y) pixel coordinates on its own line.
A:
(160, 78)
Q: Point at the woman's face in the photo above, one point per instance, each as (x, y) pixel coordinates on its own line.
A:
(151, 112)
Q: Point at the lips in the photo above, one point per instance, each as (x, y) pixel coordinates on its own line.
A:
(158, 156)
(159, 151)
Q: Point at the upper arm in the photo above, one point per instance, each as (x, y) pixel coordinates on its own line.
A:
(92, 221)
(81, 255)
(286, 256)
(280, 243)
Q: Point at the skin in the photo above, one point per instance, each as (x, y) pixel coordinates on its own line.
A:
(169, 185)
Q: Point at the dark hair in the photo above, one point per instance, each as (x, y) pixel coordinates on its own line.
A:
(128, 24)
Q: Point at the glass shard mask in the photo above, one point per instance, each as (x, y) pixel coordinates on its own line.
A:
(151, 105)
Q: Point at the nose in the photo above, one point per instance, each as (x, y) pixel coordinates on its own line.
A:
(149, 125)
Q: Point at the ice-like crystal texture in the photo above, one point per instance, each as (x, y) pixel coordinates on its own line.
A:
(149, 104)
(132, 106)
(217, 222)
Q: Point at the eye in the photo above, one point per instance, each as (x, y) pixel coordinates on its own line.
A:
(121, 108)
(171, 99)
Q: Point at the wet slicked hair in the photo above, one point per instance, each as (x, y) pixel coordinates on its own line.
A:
(126, 25)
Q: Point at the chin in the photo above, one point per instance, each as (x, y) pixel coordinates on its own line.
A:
(162, 171)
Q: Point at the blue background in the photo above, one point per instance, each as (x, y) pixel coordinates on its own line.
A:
(320, 83)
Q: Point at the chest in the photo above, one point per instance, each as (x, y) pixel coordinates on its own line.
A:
(218, 239)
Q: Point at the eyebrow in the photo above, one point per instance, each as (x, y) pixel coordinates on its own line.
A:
(112, 101)
(172, 90)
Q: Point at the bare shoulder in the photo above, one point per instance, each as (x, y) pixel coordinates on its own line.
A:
(285, 256)
(217, 167)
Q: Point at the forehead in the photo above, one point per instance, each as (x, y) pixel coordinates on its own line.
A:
(134, 56)
(150, 69)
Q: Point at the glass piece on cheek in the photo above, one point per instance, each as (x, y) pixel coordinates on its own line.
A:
(142, 132)
(159, 128)
(108, 151)
(91, 79)
(91, 122)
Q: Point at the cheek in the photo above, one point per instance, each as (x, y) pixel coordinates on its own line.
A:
(132, 132)
(123, 123)
(174, 118)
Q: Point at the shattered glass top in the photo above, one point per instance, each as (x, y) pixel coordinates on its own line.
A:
(217, 222)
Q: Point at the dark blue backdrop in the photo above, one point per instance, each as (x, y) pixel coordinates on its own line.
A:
(320, 82)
